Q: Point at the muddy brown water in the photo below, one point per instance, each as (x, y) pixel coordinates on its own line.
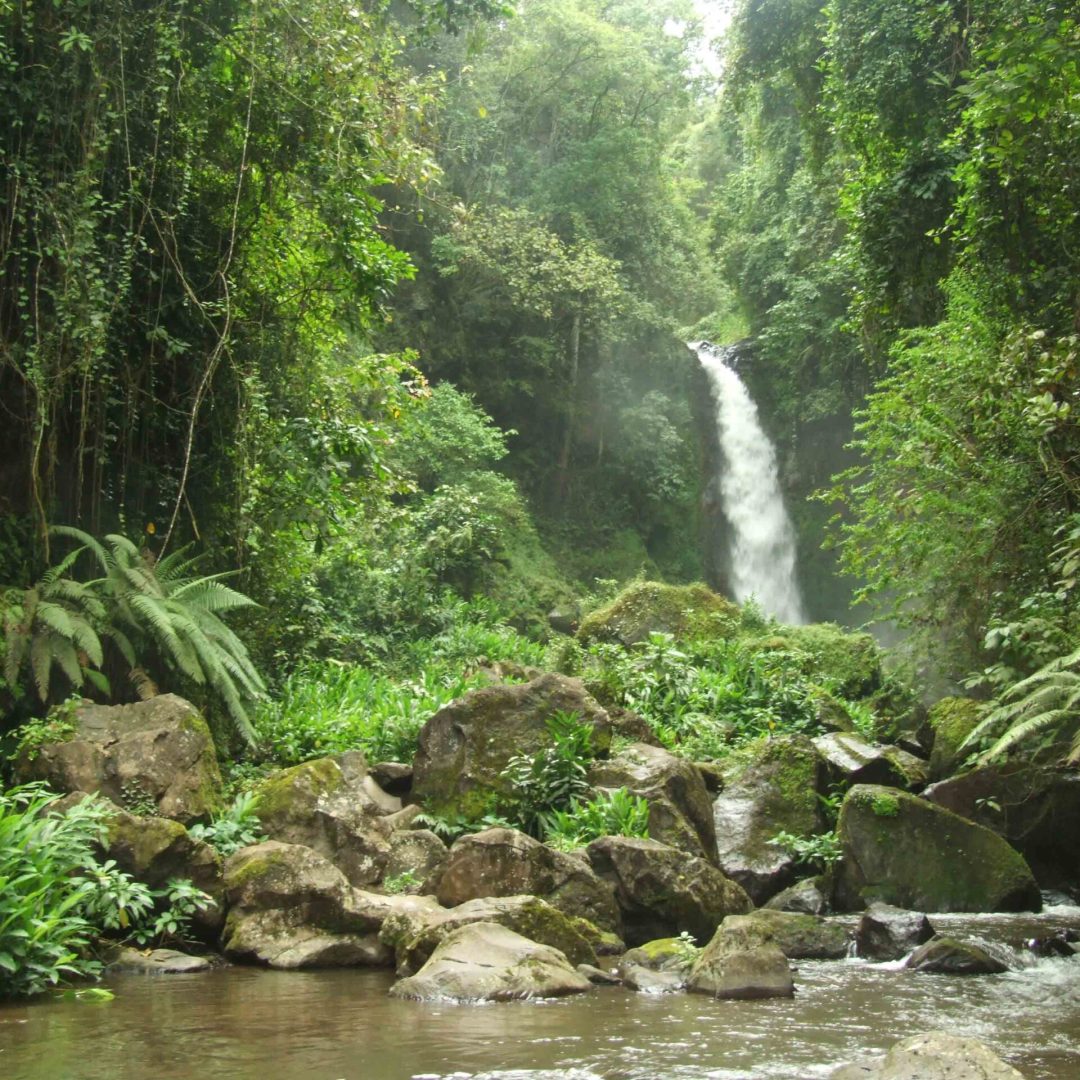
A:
(251, 1024)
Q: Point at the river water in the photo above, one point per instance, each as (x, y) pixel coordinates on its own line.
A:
(252, 1024)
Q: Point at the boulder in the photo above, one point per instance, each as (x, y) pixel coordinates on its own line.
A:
(680, 810)
(850, 661)
(156, 753)
(737, 963)
(487, 962)
(158, 962)
(888, 933)
(948, 956)
(328, 805)
(464, 749)
(505, 862)
(952, 720)
(154, 850)
(647, 607)
(775, 791)
(933, 1056)
(798, 937)
(811, 896)
(851, 760)
(414, 935)
(906, 851)
(1036, 809)
(419, 854)
(289, 908)
(394, 777)
(662, 891)
(658, 966)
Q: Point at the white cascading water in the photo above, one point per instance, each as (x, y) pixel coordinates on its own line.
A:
(762, 540)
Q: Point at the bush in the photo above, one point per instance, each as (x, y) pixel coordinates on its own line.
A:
(611, 813)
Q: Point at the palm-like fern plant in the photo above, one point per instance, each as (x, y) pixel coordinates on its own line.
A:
(54, 624)
(1047, 701)
(163, 606)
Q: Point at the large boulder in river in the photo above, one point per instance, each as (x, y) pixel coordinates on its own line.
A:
(888, 933)
(948, 956)
(414, 935)
(680, 810)
(488, 962)
(290, 908)
(1037, 809)
(906, 851)
(505, 862)
(662, 891)
(648, 607)
(933, 1056)
(798, 937)
(776, 790)
(741, 965)
(334, 808)
(157, 751)
(460, 767)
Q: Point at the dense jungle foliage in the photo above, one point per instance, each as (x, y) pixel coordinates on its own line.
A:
(338, 345)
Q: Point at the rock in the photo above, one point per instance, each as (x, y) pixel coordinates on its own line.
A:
(505, 862)
(415, 935)
(680, 811)
(421, 855)
(712, 774)
(289, 907)
(775, 791)
(157, 752)
(661, 891)
(647, 607)
(564, 619)
(465, 747)
(888, 933)
(330, 809)
(952, 720)
(488, 962)
(657, 966)
(598, 976)
(737, 964)
(850, 661)
(154, 849)
(811, 896)
(906, 851)
(158, 962)
(851, 760)
(1036, 809)
(394, 777)
(947, 956)
(934, 1056)
(799, 937)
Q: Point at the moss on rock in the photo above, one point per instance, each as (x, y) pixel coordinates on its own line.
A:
(952, 719)
(646, 607)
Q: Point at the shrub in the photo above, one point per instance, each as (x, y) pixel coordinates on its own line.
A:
(233, 829)
(611, 813)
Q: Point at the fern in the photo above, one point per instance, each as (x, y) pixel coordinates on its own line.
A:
(1046, 702)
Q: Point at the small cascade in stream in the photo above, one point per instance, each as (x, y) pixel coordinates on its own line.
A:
(762, 540)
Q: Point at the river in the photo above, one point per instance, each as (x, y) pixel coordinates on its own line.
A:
(248, 1024)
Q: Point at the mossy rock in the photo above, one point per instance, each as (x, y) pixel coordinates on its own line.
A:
(798, 936)
(646, 607)
(905, 851)
(772, 787)
(952, 719)
(850, 661)
(460, 767)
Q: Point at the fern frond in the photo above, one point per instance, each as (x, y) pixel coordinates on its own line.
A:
(208, 594)
(142, 580)
(99, 681)
(122, 642)
(56, 619)
(156, 619)
(87, 541)
(1032, 725)
(174, 567)
(41, 659)
(123, 544)
(145, 687)
(56, 572)
(67, 658)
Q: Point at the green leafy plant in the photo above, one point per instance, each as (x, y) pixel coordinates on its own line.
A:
(400, 883)
(686, 947)
(58, 725)
(821, 851)
(611, 813)
(236, 827)
(451, 826)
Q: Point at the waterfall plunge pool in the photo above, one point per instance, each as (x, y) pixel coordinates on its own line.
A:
(251, 1024)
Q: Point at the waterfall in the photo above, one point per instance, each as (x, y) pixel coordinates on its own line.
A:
(762, 541)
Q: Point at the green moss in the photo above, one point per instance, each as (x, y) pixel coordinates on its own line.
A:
(851, 662)
(952, 719)
(288, 790)
(687, 611)
(885, 805)
(255, 866)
